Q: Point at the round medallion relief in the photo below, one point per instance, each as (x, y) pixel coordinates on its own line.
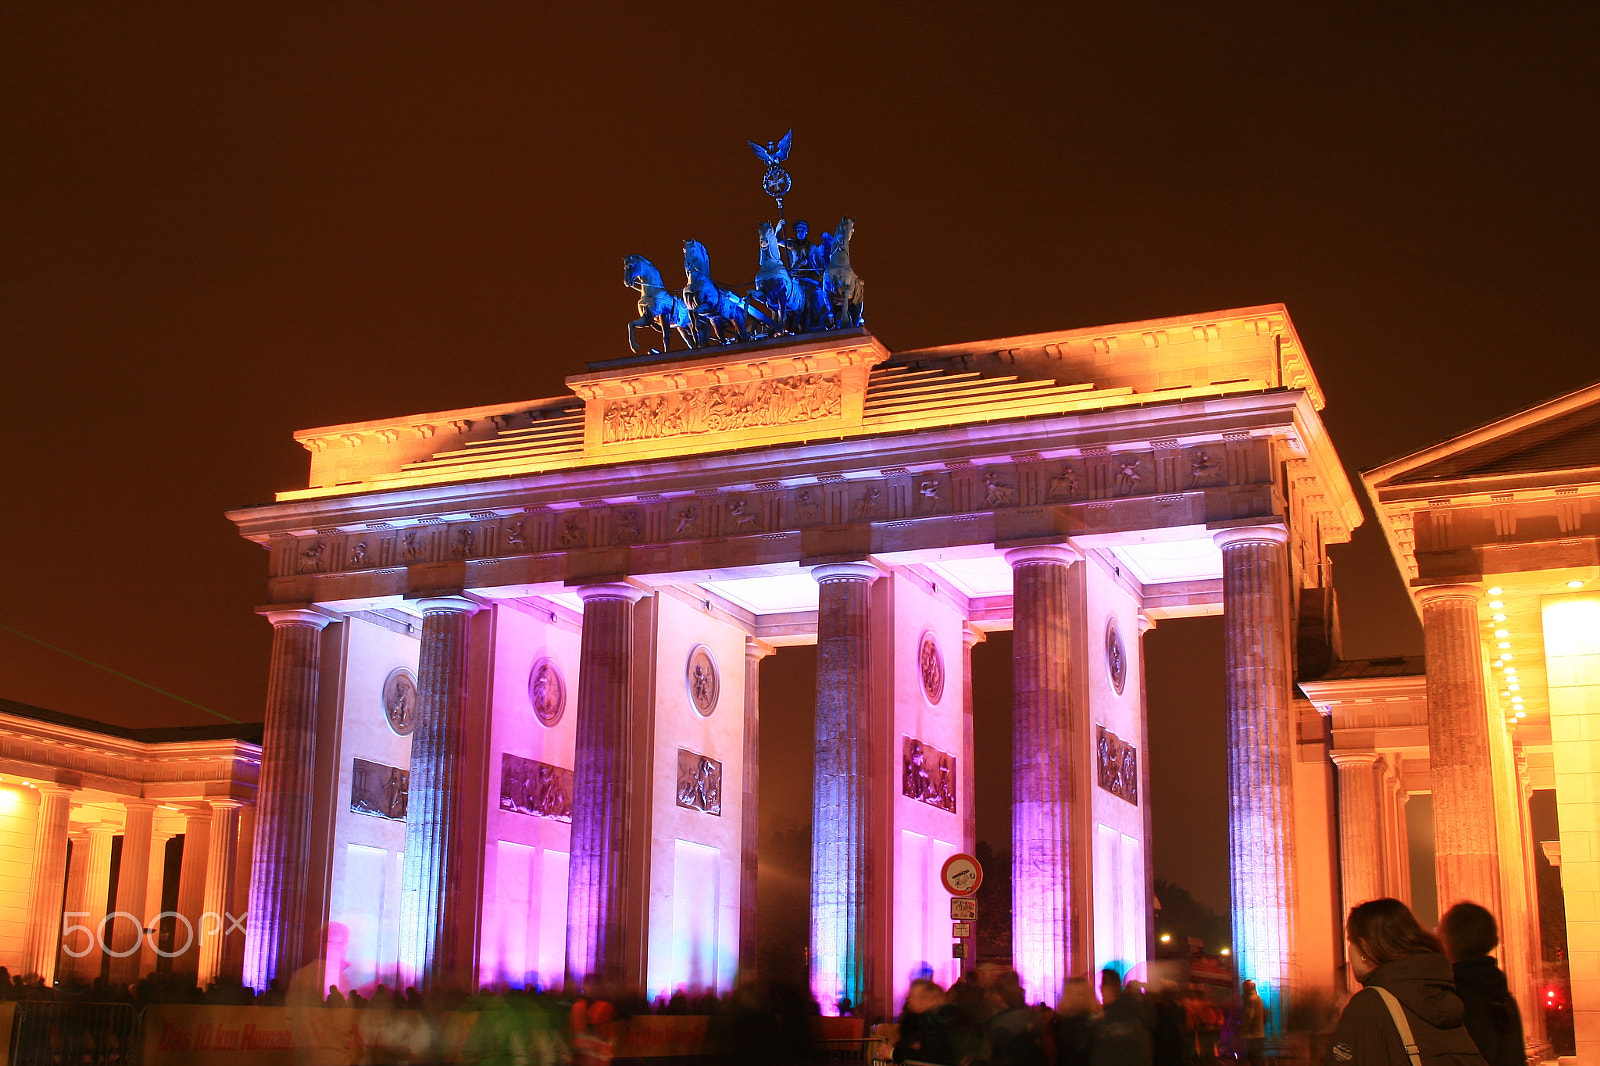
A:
(547, 691)
(401, 701)
(930, 665)
(701, 677)
(1116, 657)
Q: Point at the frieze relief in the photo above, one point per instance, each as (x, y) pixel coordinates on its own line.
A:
(528, 786)
(927, 774)
(378, 789)
(962, 489)
(724, 408)
(699, 782)
(1117, 765)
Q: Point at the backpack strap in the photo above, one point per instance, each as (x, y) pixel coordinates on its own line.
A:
(1398, 1013)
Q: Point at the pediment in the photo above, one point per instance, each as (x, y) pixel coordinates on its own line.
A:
(1561, 434)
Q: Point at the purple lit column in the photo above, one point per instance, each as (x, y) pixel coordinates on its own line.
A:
(49, 882)
(1041, 770)
(279, 872)
(1257, 677)
(597, 882)
(1362, 866)
(133, 879)
(839, 844)
(432, 911)
(218, 958)
(750, 825)
(1466, 855)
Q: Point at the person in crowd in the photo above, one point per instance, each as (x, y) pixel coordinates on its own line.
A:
(1468, 933)
(925, 1026)
(1074, 1023)
(1253, 1023)
(1390, 953)
(1172, 1042)
(1122, 1038)
(1013, 1031)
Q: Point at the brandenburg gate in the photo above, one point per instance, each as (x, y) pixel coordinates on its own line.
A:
(514, 722)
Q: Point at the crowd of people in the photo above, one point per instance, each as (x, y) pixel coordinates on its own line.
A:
(1439, 998)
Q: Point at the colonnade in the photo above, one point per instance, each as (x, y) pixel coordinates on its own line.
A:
(73, 895)
(600, 909)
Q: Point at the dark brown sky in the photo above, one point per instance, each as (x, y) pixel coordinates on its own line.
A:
(222, 223)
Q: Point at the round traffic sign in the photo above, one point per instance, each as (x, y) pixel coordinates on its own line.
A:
(961, 875)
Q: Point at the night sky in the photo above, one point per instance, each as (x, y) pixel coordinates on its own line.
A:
(223, 223)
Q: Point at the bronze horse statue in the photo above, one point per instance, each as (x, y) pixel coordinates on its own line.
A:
(844, 293)
(659, 308)
(722, 315)
(779, 290)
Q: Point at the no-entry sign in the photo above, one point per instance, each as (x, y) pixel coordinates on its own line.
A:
(961, 875)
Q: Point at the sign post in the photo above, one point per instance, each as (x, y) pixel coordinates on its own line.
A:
(961, 875)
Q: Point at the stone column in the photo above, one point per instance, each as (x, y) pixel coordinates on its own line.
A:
(968, 774)
(154, 888)
(133, 879)
(1464, 827)
(49, 882)
(1042, 770)
(597, 894)
(1363, 873)
(1258, 670)
(432, 910)
(280, 870)
(840, 855)
(88, 951)
(192, 890)
(750, 826)
(219, 906)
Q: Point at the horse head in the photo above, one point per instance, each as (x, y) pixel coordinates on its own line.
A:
(842, 234)
(636, 268)
(696, 260)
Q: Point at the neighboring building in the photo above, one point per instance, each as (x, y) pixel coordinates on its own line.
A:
(1497, 532)
(97, 821)
(513, 727)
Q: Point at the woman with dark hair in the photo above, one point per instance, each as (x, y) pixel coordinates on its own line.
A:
(1408, 1010)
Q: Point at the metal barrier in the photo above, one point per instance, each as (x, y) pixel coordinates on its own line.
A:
(853, 1052)
(75, 1034)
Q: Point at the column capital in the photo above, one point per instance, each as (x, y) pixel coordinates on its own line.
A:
(971, 634)
(306, 615)
(756, 650)
(1430, 594)
(1355, 758)
(611, 590)
(54, 788)
(226, 803)
(447, 605)
(1261, 534)
(135, 803)
(1043, 553)
(860, 571)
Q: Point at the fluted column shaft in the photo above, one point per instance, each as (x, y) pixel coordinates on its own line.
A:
(133, 880)
(191, 890)
(596, 885)
(1466, 858)
(96, 891)
(281, 868)
(219, 906)
(1362, 830)
(1258, 672)
(49, 882)
(840, 857)
(1042, 770)
(155, 887)
(432, 911)
(750, 825)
